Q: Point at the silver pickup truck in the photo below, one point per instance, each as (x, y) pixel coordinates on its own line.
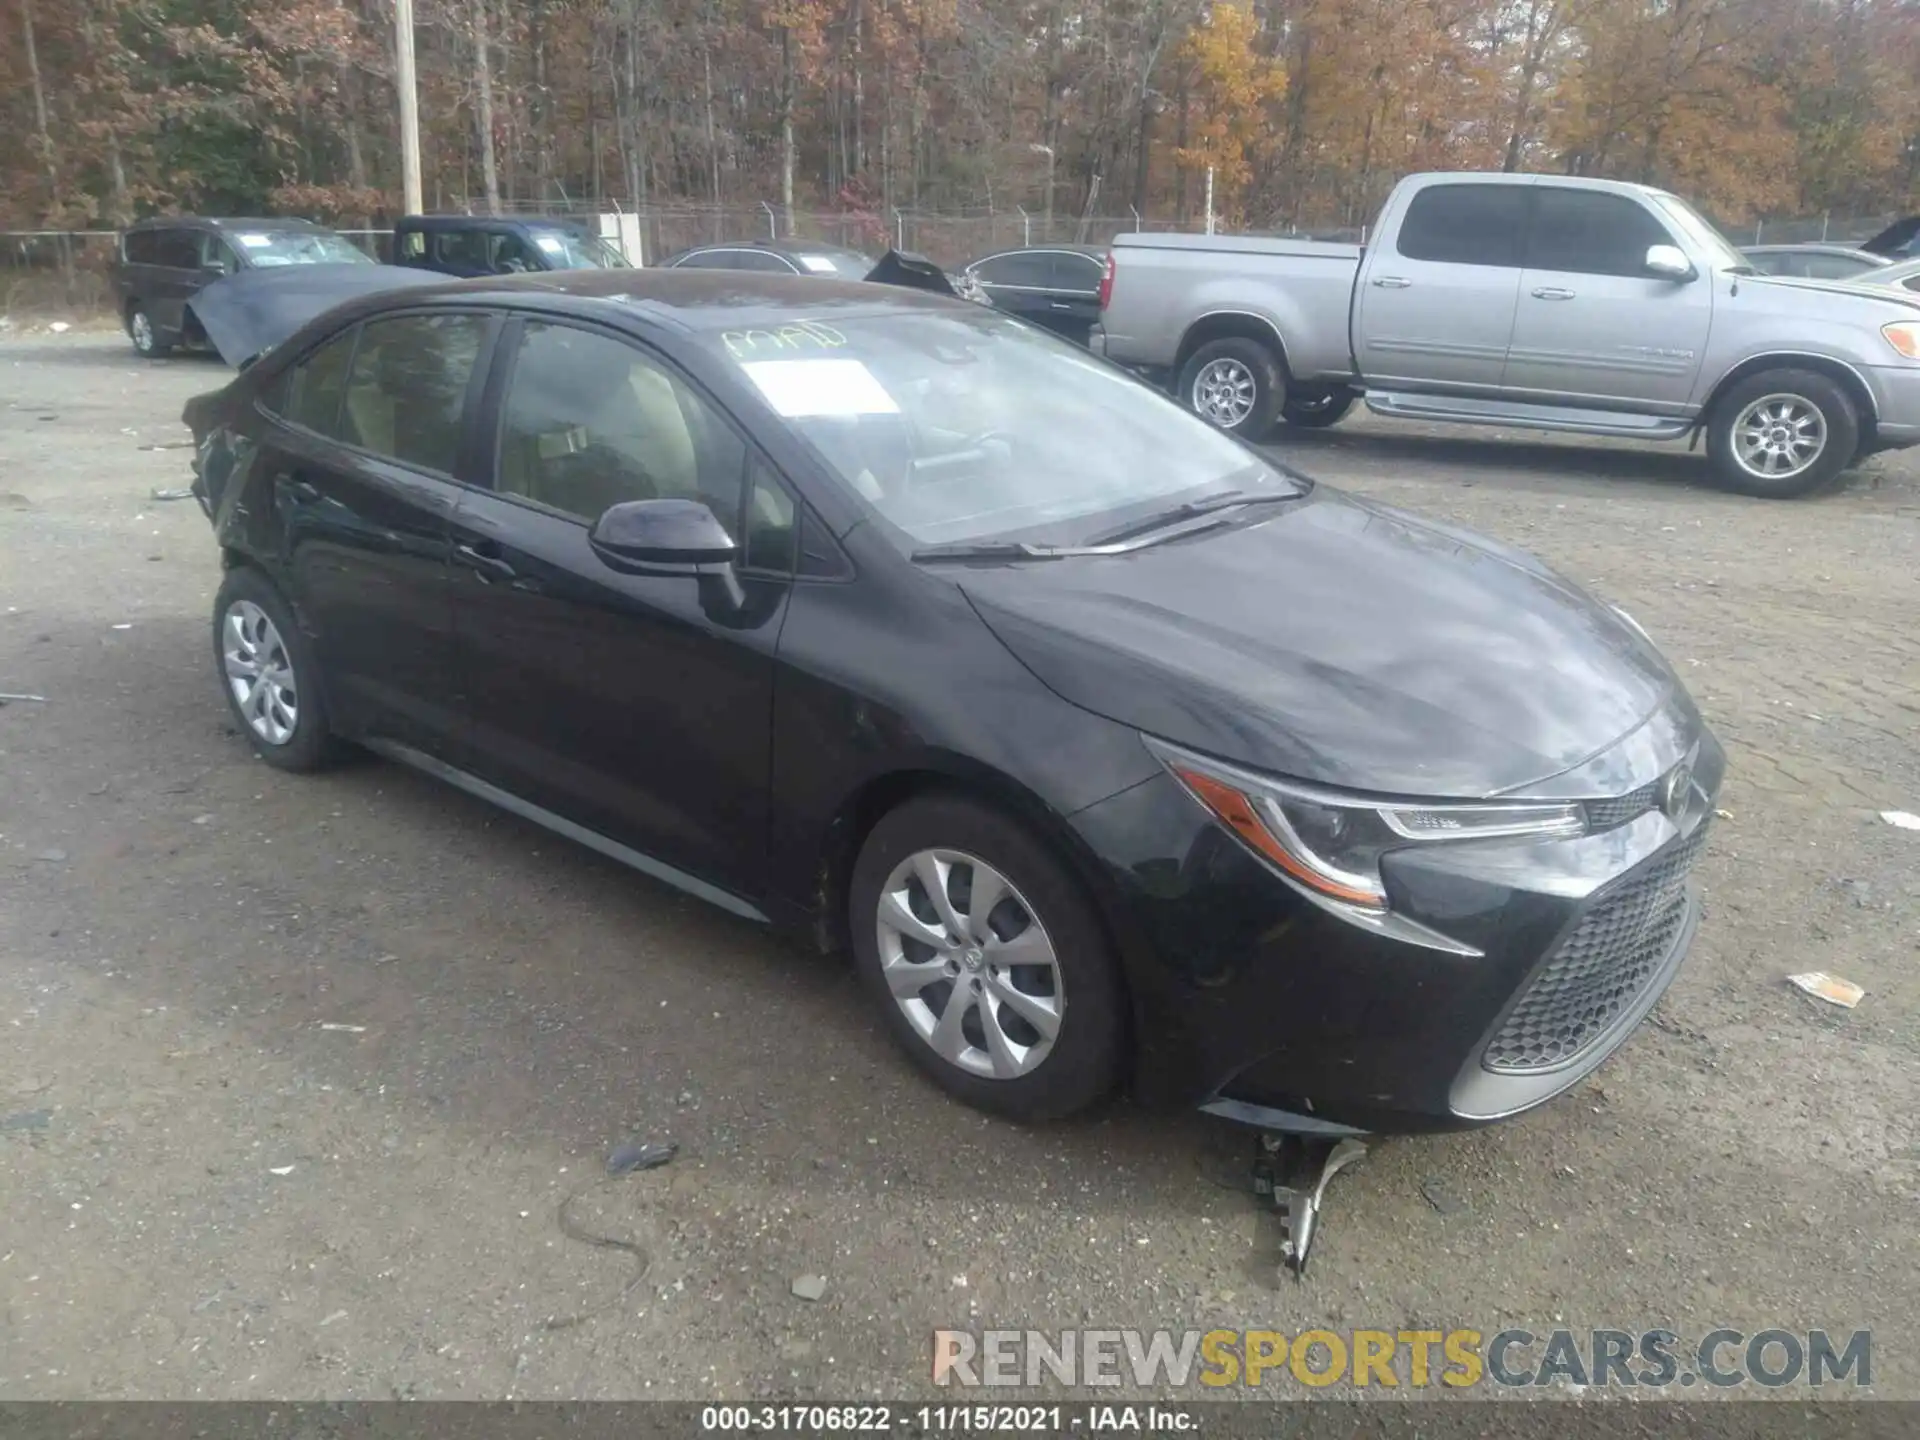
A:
(1537, 301)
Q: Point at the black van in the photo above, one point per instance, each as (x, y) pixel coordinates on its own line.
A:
(471, 245)
(164, 262)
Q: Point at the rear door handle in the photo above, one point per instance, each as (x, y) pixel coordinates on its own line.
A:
(1552, 292)
(484, 559)
(1392, 282)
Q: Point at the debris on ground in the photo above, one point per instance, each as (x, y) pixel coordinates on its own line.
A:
(52, 857)
(1901, 818)
(337, 1025)
(1441, 1197)
(184, 492)
(280, 1170)
(809, 1287)
(37, 699)
(27, 1120)
(124, 625)
(1293, 1172)
(651, 1155)
(1830, 988)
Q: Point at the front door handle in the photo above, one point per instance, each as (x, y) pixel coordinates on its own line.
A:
(484, 559)
(1392, 282)
(1552, 292)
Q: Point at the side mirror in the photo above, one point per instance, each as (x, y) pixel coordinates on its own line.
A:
(1669, 262)
(667, 537)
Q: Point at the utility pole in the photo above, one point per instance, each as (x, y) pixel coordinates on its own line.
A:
(404, 79)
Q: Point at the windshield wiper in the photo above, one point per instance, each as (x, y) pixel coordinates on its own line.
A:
(994, 550)
(1190, 510)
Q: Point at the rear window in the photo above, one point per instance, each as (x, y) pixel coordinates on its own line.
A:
(1465, 225)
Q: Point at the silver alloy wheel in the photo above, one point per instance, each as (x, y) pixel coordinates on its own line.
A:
(969, 964)
(142, 329)
(1779, 436)
(260, 672)
(1223, 392)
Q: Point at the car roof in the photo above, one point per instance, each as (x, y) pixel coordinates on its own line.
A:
(1092, 252)
(454, 222)
(228, 222)
(776, 247)
(693, 301)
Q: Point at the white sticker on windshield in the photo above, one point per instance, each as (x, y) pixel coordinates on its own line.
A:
(799, 389)
(549, 243)
(819, 264)
(255, 242)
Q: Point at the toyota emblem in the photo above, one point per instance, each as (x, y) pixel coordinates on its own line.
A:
(1674, 791)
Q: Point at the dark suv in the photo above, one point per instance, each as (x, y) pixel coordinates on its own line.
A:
(163, 263)
(474, 245)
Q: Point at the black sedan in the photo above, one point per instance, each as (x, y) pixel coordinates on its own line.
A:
(1056, 287)
(1112, 749)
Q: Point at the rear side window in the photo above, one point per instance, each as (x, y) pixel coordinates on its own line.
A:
(177, 249)
(1589, 233)
(705, 260)
(1027, 272)
(314, 388)
(140, 247)
(762, 261)
(407, 392)
(1078, 273)
(1465, 225)
(1832, 267)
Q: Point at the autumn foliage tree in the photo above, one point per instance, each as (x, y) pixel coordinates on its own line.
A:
(1306, 110)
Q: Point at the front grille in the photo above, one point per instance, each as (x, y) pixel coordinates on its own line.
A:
(1600, 969)
(1618, 810)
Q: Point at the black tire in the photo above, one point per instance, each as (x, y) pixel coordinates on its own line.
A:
(145, 335)
(1316, 409)
(1268, 382)
(1802, 388)
(1085, 1060)
(308, 744)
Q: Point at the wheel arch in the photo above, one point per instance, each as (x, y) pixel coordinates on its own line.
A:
(1232, 325)
(1846, 376)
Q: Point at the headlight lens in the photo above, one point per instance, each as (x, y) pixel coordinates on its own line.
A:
(1332, 843)
(1904, 336)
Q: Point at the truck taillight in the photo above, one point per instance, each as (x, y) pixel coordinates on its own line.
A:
(1106, 282)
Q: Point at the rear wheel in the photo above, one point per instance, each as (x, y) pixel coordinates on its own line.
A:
(145, 335)
(269, 674)
(1783, 433)
(1316, 409)
(988, 962)
(1236, 384)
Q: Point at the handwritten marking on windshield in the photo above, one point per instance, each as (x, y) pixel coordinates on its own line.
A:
(801, 335)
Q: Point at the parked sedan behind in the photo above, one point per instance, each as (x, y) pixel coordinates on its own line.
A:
(1812, 262)
(890, 620)
(1056, 287)
(163, 263)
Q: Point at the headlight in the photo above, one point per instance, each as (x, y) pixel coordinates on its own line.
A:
(1330, 843)
(1904, 336)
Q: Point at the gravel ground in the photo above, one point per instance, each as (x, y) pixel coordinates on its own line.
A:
(297, 1072)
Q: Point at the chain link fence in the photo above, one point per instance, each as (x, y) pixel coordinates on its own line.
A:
(49, 273)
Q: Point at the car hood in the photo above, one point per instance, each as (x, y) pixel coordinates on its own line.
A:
(251, 311)
(1340, 642)
(1857, 289)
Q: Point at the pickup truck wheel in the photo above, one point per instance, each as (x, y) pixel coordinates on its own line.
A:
(1783, 433)
(1316, 409)
(1235, 384)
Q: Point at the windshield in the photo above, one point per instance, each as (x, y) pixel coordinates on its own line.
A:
(1721, 253)
(299, 247)
(567, 249)
(961, 426)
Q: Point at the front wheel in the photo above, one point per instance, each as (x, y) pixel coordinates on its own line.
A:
(987, 960)
(1236, 384)
(1783, 433)
(1316, 409)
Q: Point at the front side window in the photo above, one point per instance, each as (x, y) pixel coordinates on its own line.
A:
(1465, 225)
(267, 249)
(1588, 232)
(960, 427)
(177, 249)
(216, 254)
(406, 395)
(591, 422)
